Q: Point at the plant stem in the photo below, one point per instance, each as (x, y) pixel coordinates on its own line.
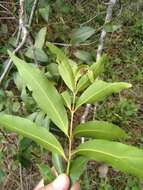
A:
(70, 134)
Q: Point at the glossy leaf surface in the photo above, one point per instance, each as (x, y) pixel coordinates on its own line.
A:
(123, 157)
(100, 90)
(30, 130)
(67, 99)
(44, 93)
(99, 130)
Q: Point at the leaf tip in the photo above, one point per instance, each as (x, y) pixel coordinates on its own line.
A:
(10, 53)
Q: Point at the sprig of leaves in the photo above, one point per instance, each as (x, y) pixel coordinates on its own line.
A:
(121, 156)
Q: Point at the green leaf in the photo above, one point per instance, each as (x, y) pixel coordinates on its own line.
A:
(32, 131)
(67, 99)
(83, 83)
(44, 93)
(97, 68)
(81, 34)
(91, 76)
(52, 69)
(2, 175)
(100, 90)
(78, 70)
(65, 69)
(123, 157)
(46, 173)
(18, 81)
(57, 162)
(83, 55)
(40, 38)
(74, 67)
(99, 130)
(37, 53)
(3, 29)
(109, 27)
(78, 166)
(44, 12)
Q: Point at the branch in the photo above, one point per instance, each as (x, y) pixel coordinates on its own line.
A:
(86, 22)
(100, 48)
(84, 116)
(23, 32)
(103, 33)
(35, 4)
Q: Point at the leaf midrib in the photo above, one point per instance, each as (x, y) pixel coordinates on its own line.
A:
(101, 131)
(119, 158)
(89, 97)
(49, 100)
(37, 137)
(67, 70)
(105, 153)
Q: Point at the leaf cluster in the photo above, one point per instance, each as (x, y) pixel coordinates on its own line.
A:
(83, 86)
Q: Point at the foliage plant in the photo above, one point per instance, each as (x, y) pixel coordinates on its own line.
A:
(82, 86)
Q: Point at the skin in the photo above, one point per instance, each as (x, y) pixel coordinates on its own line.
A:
(62, 182)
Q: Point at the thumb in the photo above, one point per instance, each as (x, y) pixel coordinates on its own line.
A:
(62, 182)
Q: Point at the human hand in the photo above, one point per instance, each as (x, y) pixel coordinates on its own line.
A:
(62, 182)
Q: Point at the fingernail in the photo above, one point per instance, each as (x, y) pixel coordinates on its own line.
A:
(60, 182)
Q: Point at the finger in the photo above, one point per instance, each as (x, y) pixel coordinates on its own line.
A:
(76, 186)
(62, 182)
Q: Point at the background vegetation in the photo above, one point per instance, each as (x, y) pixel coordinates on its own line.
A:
(20, 158)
